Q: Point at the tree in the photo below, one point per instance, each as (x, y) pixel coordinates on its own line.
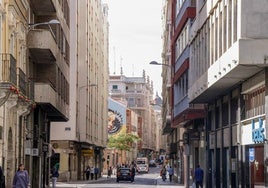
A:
(122, 141)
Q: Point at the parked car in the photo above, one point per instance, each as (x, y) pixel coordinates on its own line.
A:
(123, 174)
(152, 163)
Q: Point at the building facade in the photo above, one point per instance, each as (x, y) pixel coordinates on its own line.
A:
(184, 122)
(48, 42)
(34, 78)
(228, 54)
(137, 93)
(121, 120)
(16, 102)
(80, 142)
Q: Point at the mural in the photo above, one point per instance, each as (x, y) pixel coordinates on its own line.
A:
(115, 122)
(116, 117)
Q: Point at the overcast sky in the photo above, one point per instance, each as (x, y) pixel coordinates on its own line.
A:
(135, 38)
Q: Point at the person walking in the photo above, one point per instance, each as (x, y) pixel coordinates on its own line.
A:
(21, 178)
(163, 173)
(170, 173)
(92, 173)
(109, 172)
(55, 174)
(198, 176)
(133, 173)
(96, 172)
(87, 171)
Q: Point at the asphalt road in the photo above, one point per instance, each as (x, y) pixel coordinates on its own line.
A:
(150, 180)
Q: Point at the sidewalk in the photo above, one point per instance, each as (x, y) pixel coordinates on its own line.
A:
(81, 183)
(166, 184)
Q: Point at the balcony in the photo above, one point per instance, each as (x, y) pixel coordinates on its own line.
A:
(22, 82)
(8, 69)
(42, 46)
(43, 7)
(47, 97)
(184, 112)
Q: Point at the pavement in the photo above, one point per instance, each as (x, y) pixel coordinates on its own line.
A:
(76, 184)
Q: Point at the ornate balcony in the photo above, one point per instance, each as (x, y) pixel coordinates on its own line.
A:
(8, 69)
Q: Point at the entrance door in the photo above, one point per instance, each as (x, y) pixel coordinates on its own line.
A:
(257, 168)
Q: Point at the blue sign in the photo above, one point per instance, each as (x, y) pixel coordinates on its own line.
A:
(251, 154)
(258, 134)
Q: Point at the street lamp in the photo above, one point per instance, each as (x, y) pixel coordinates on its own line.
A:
(51, 22)
(78, 126)
(156, 63)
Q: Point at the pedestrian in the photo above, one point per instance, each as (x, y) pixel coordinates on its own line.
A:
(133, 173)
(21, 178)
(163, 173)
(92, 173)
(198, 176)
(55, 174)
(96, 172)
(2, 179)
(87, 171)
(170, 173)
(109, 172)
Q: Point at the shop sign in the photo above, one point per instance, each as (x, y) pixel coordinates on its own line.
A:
(88, 152)
(258, 133)
(251, 154)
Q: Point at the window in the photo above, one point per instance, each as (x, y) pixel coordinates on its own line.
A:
(115, 86)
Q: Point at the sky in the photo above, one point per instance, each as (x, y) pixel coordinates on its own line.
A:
(135, 38)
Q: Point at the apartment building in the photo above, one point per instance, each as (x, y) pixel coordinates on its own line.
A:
(121, 120)
(16, 103)
(34, 81)
(184, 121)
(80, 141)
(228, 68)
(48, 43)
(137, 93)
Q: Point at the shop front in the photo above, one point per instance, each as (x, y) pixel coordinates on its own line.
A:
(253, 140)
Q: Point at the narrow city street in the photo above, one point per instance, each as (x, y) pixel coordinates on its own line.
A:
(152, 179)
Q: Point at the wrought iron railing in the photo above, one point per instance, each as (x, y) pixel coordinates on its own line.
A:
(8, 63)
(22, 81)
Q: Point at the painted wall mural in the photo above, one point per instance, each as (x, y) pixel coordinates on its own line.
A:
(116, 117)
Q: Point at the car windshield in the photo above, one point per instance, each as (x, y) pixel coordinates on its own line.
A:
(124, 170)
(140, 162)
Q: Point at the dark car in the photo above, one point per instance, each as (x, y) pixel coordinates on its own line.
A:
(123, 174)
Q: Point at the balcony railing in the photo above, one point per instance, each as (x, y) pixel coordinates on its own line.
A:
(8, 68)
(22, 81)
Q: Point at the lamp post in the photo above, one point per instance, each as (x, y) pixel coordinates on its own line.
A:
(78, 127)
(156, 63)
(51, 22)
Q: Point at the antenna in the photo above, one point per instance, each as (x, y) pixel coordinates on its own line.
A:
(121, 68)
(114, 61)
